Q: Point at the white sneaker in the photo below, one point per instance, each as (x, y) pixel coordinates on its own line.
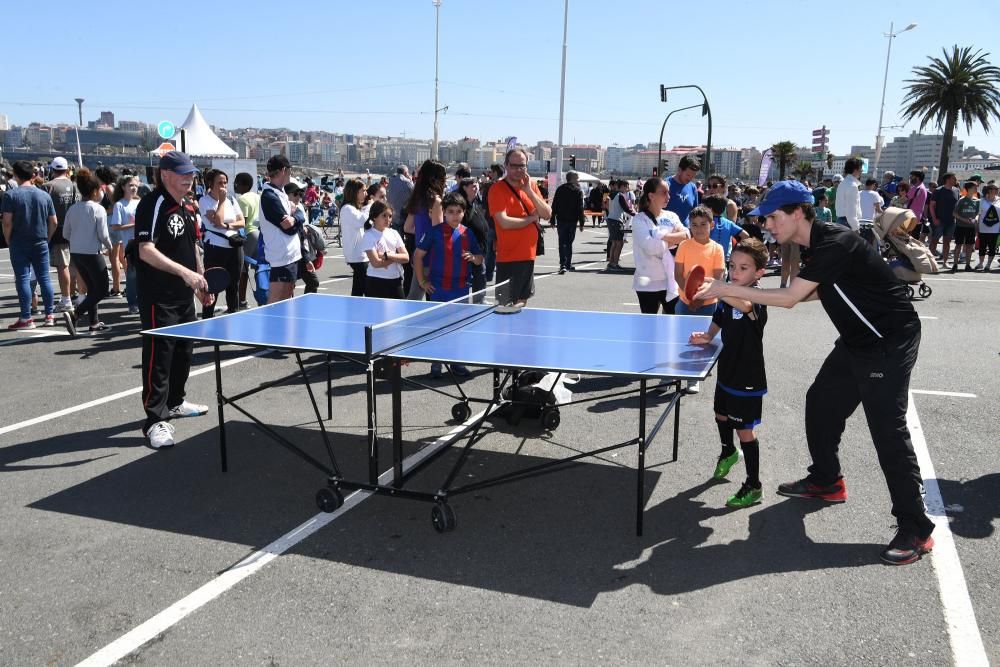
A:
(188, 409)
(161, 434)
(693, 387)
(64, 306)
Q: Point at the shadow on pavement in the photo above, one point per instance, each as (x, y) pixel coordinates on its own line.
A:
(972, 505)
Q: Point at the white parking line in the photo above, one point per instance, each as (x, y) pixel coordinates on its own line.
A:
(960, 618)
(932, 392)
(173, 614)
(963, 280)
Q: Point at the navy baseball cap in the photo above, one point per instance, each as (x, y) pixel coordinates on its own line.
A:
(177, 162)
(781, 194)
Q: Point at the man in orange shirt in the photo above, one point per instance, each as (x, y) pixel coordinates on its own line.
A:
(517, 207)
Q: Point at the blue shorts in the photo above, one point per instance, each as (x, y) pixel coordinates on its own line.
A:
(946, 228)
(285, 274)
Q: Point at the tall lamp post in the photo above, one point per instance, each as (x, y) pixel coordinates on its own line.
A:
(79, 150)
(706, 110)
(659, 153)
(437, 34)
(885, 80)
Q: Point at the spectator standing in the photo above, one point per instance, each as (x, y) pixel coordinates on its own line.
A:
(966, 224)
(353, 216)
(398, 192)
(716, 185)
(86, 229)
(916, 198)
(618, 208)
(848, 201)
(423, 211)
(489, 267)
(942, 205)
(724, 230)
(518, 208)
(596, 203)
(386, 254)
(683, 191)
(222, 220)
(871, 201)
(64, 194)
(279, 230)
(475, 222)
(28, 222)
(900, 200)
(989, 226)
(654, 232)
(170, 277)
(567, 212)
(249, 202)
(123, 223)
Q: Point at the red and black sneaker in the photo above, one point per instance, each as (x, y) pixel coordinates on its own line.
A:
(906, 548)
(833, 493)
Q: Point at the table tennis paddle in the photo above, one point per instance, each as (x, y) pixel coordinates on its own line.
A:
(217, 279)
(694, 282)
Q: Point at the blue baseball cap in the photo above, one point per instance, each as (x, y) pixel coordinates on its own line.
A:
(177, 162)
(781, 194)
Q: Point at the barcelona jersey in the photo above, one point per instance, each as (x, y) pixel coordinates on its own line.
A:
(447, 271)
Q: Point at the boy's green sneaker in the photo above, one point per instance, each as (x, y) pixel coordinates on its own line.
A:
(724, 465)
(745, 497)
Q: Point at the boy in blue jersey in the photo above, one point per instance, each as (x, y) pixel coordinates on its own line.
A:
(449, 247)
(742, 381)
(724, 230)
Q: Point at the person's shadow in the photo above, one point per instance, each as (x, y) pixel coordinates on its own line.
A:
(972, 505)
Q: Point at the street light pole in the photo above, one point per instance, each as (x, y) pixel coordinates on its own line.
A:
(562, 97)
(706, 110)
(885, 80)
(659, 153)
(437, 34)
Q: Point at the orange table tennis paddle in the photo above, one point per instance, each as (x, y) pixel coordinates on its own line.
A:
(694, 282)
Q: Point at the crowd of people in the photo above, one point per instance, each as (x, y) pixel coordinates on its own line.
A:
(422, 237)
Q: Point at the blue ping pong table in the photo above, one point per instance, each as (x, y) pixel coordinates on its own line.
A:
(384, 334)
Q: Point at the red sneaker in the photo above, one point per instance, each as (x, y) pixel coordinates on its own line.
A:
(833, 493)
(21, 325)
(906, 548)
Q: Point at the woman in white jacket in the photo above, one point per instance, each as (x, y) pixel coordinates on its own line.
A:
(353, 216)
(654, 232)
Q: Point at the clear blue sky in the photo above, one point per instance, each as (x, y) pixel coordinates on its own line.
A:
(772, 70)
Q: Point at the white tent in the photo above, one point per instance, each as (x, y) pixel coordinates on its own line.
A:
(199, 139)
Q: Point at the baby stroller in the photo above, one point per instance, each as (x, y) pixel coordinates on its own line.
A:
(908, 257)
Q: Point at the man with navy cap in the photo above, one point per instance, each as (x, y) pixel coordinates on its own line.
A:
(169, 275)
(870, 363)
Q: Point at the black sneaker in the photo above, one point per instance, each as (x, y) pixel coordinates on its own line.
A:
(804, 488)
(906, 548)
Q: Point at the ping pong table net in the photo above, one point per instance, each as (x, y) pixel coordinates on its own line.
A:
(393, 335)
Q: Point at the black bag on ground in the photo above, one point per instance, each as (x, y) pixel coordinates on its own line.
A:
(524, 399)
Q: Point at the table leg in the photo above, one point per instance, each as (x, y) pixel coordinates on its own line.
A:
(397, 424)
(220, 400)
(329, 390)
(641, 467)
(372, 434)
(677, 418)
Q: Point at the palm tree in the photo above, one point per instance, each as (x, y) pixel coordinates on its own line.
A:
(783, 152)
(961, 84)
(803, 170)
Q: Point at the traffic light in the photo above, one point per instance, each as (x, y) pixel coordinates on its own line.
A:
(656, 172)
(572, 162)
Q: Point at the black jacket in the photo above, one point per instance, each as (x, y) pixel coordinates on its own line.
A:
(567, 205)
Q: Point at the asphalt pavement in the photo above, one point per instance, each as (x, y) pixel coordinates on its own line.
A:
(159, 558)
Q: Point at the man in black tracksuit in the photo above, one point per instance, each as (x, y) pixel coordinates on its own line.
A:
(169, 274)
(567, 210)
(870, 363)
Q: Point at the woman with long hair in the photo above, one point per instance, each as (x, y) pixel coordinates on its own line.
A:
(386, 254)
(353, 216)
(223, 219)
(654, 231)
(422, 211)
(86, 229)
(475, 220)
(126, 200)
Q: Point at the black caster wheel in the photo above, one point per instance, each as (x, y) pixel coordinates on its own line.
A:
(909, 292)
(461, 411)
(329, 499)
(443, 518)
(550, 419)
(925, 291)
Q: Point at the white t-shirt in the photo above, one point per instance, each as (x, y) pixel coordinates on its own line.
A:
(207, 203)
(352, 228)
(868, 200)
(654, 265)
(388, 240)
(984, 211)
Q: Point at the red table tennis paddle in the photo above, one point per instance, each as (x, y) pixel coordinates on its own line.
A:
(217, 279)
(694, 282)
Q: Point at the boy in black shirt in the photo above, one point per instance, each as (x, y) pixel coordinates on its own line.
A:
(742, 381)
(870, 363)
